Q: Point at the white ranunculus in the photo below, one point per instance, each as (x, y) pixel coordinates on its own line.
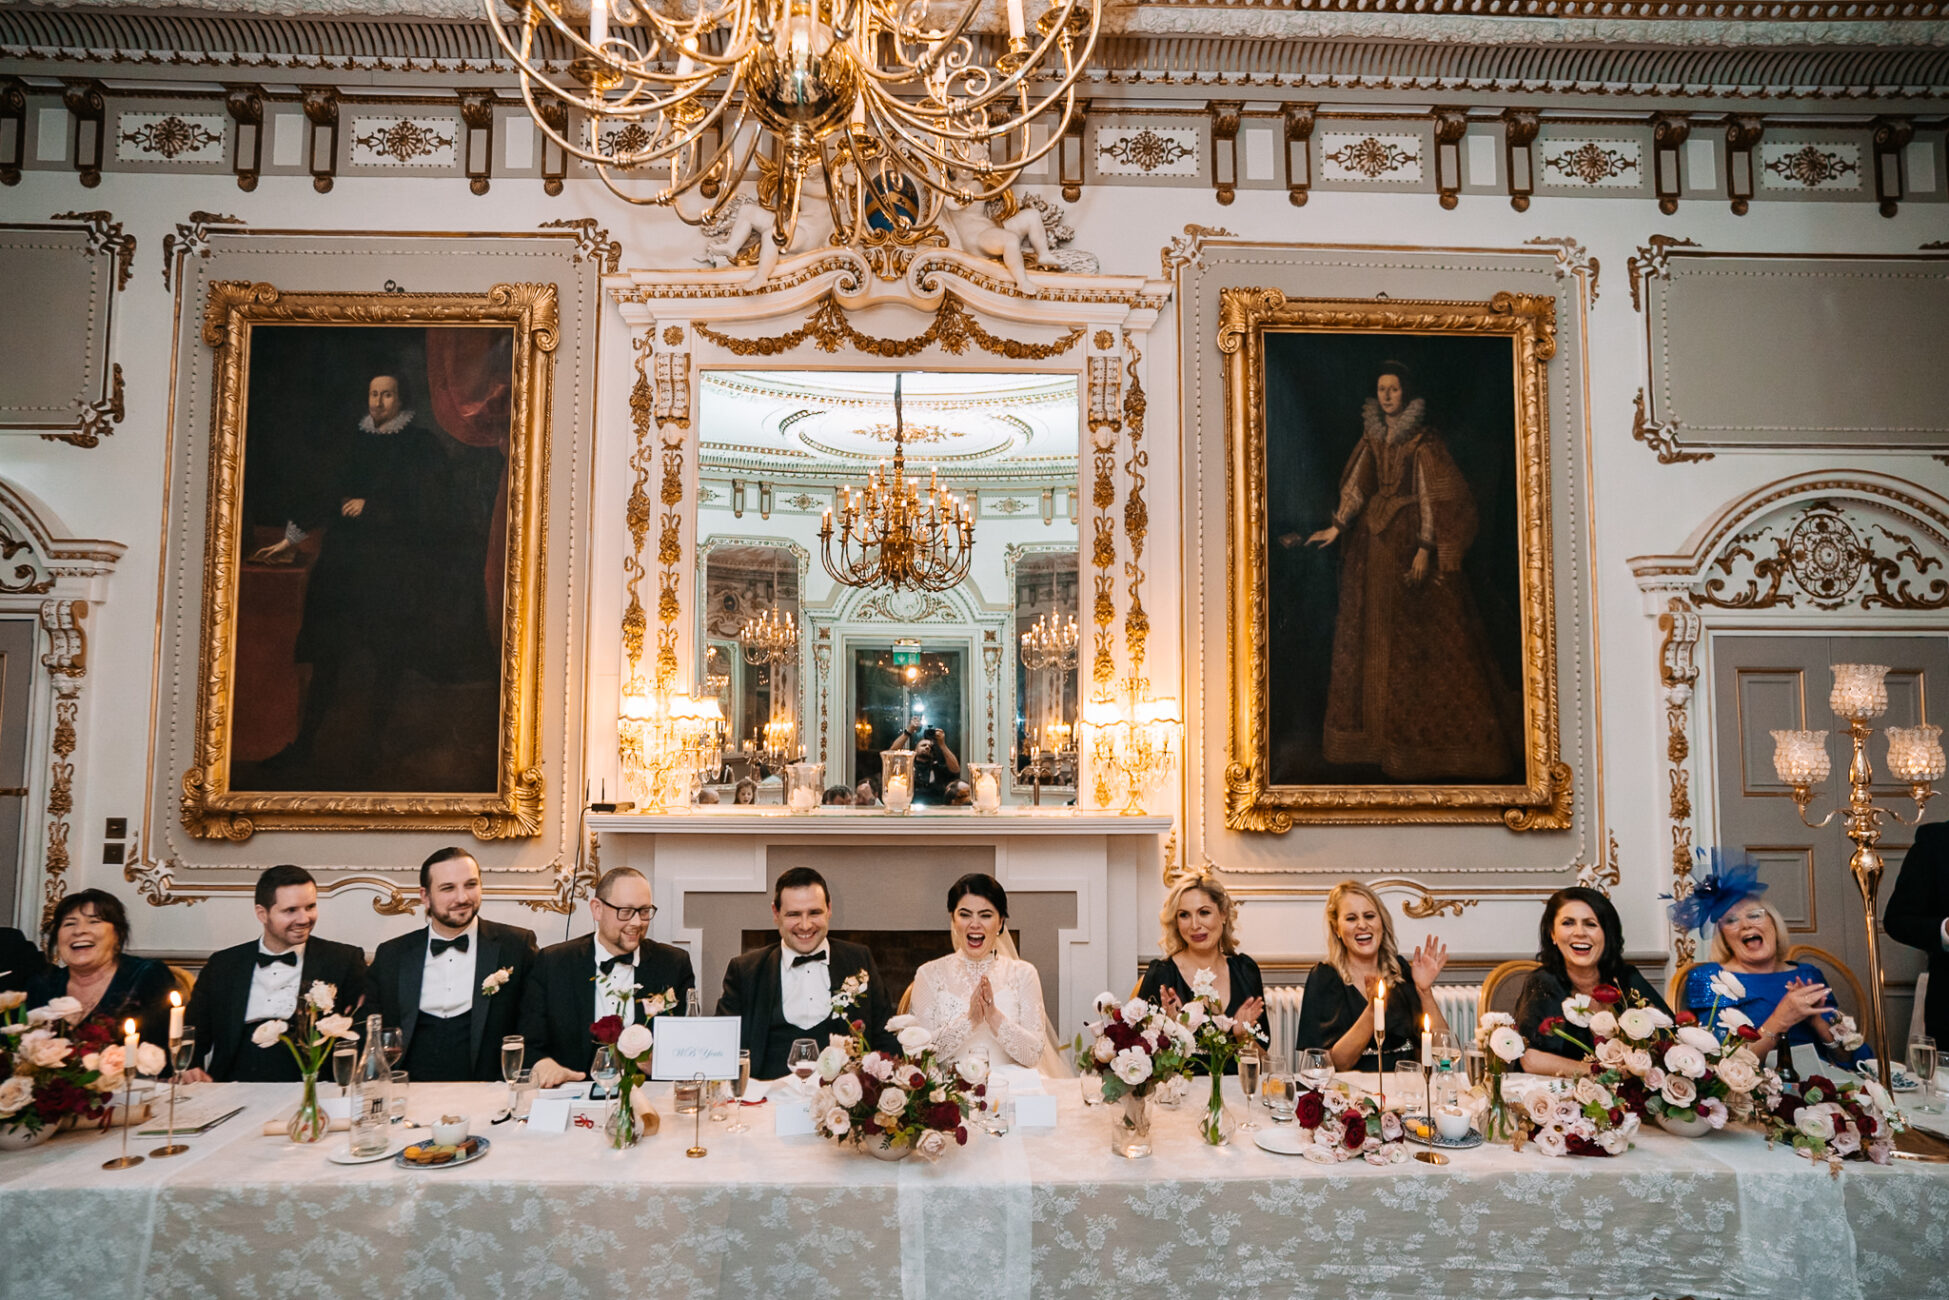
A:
(1636, 1022)
(877, 1064)
(1578, 1008)
(1106, 1001)
(1506, 1043)
(1135, 1010)
(1697, 1037)
(322, 995)
(15, 1093)
(899, 1023)
(65, 1008)
(1493, 1019)
(1727, 985)
(1731, 1018)
(1611, 1053)
(1104, 1051)
(150, 1059)
(41, 1016)
(1613, 1142)
(634, 1041)
(335, 1027)
(847, 1090)
(1132, 1066)
(1713, 1111)
(1565, 1112)
(832, 1061)
(1679, 1090)
(1682, 1058)
(931, 1145)
(916, 1038)
(1153, 1037)
(1603, 1023)
(16, 1027)
(838, 1122)
(1659, 1018)
(892, 1100)
(1629, 1124)
(971, 1068)
(266, 1034)
(11, 999)
(1550, 1141)
(1738, 1075)
(1815, 1123)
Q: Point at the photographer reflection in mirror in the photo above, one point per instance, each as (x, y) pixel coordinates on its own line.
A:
(936, 767)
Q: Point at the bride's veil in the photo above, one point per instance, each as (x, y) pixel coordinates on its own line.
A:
(1054, 1061)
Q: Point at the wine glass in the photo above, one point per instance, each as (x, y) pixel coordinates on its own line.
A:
(607, 1070)
(1249, 1065)
(392, 1041)
(1922, 1064)
(803, 1061)
(514, 1052)
(344, 1056)
(738, 1086)
(182, 1053)
(1315, 1068)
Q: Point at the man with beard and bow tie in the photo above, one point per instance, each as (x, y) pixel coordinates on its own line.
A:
(784, 991)
(613, 972)
(454, 986)
(266, 979)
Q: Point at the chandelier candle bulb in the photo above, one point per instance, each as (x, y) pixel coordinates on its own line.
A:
(1860, 691)
(1800, 757)
(1017, 28)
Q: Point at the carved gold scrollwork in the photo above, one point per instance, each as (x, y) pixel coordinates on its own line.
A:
(1601, 876)
(67, 662)
(953, 328)
(191, 238)
(1828, 559)
(592, 242)
(1136, 514)
(1425, 906)
(29, 577)
(1652, 262)
(1680, 626)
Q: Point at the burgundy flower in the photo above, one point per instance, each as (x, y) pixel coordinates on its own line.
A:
(1549, 1026)
(1356, 1125)
(1748, 1033)
(961, 1136)
(1309, 1110)
(943, 1115)
(607, 1030)
(1685, 1018)
(1607, 994)
(1826, 1085)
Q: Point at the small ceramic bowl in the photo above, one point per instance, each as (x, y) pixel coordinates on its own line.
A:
(1451, 1124)
(450, 1131)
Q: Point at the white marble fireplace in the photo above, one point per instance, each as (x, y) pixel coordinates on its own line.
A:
(1071, 876)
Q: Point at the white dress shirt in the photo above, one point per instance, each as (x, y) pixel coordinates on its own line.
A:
(605, 1004)
(447, 987)
(274, 988)
(806, 991)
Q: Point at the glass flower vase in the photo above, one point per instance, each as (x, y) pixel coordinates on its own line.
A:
(310, 1123)
(1498, 1121)
(1130, 1134)
(1217, 1124)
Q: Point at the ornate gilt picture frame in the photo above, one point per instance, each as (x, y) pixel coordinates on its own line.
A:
(1392, 637)
(373, 557)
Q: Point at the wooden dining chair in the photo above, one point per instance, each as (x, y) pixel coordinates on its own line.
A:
(1835, 969)
(1508, 974)
(906, 1001)
(1675, 989)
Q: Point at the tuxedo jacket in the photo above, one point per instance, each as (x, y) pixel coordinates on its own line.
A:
(558, 1005)
(222, 995)
(1914, 915)
(754, 994)
(400, 965)
(20, 960)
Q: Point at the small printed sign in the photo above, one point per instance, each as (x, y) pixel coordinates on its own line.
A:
(690, 1047)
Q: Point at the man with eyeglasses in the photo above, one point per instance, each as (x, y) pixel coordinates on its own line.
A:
(451, 987)
(612, 972)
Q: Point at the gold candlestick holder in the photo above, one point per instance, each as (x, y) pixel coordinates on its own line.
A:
(125, 1160)
(171, 1147)
(696, 1149)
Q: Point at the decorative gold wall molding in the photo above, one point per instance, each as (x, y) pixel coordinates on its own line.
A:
(1651, 262)
(1601, 876)
(1572, 260)
(592, 242)
(1136, 512)
(1661, 437)
(953, 328)
(66, 661)
(1188, 249)
(193, 237)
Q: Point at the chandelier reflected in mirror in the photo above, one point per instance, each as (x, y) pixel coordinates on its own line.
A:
(885, 105)
(770, 637)
(893, 533)
(1050, 644)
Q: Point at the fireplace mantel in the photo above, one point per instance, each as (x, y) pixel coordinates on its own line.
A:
(1072, 878)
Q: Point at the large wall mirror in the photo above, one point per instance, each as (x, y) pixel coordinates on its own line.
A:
(804, 664)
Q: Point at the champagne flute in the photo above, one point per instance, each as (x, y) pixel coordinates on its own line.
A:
(344, 1057)
(183, 1051)
(738, 1086)
(607, 1070)
(1249, 1065)
(803, 1061)
(514, 1052)
(1922, 1064)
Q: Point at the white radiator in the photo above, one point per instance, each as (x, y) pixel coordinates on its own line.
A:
(1457, 1003)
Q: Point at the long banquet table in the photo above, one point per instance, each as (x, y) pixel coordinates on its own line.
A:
(1039, 1212)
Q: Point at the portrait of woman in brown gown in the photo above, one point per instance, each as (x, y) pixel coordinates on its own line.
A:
(1415, 690)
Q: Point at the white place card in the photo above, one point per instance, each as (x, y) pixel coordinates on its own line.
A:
(549, 1114)
(790, 1117)
(1035, 1110)
(337, 1108)
(690, 1047)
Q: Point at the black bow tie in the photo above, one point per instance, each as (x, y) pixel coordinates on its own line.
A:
(808, 958)
(609, 965)
(438, 946)
(274, 958)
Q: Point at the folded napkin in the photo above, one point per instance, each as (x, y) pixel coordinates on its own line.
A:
(282, 1127)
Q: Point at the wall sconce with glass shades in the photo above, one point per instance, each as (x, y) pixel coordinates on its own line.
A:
(1914, 758)
(1134, 740)
(668, 742)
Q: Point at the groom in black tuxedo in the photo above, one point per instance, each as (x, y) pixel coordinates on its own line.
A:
(266, 978)
(570, 987)
(783, 991)
(1918, 915)
(453, 986)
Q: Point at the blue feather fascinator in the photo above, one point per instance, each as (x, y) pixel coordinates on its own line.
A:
(1724, 882)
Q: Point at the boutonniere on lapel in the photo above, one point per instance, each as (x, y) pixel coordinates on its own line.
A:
(658, 1003)
(849, 993)
(492, 984)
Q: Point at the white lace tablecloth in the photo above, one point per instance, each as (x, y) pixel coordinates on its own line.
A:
(1039, 1212)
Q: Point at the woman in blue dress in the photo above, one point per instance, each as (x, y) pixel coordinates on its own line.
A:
(1780, 999)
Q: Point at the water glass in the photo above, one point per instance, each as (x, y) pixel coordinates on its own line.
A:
(1922, 1064)
(998, 1107)
(1407, 1087)
(1280, 1094)
(1476, 1062)
(401, 1081)
(1315, 1068)
(524, 1094)
(1092, 1088)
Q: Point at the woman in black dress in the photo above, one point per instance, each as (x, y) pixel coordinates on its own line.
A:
(1580, 945)
(88, 937)
(1337, 1012)
(1199, 937)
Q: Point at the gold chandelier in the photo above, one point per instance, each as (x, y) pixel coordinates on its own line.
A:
(894, 534)
(770, 637)
(1050, 644)
(894, 112)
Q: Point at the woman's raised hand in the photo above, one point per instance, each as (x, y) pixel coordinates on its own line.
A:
(1170, 1001)
(1427, 962)
(1803, 998)
(1249, 1012)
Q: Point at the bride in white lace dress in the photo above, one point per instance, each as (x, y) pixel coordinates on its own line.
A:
(982, 995)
